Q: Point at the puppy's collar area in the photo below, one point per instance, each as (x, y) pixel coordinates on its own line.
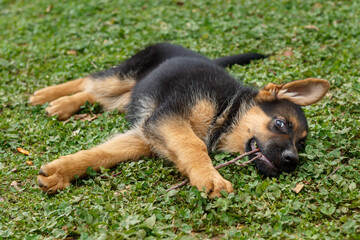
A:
(225, 120)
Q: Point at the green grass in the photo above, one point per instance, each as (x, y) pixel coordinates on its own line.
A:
(35, 40)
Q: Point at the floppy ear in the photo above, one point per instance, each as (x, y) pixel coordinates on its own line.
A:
(302, 92)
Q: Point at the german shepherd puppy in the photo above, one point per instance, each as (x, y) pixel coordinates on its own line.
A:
(181, 105)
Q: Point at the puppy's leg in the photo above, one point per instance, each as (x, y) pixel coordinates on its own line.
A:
(58, 174)
(51, 93)
(179, 143)
(61, 104)
(66, 106)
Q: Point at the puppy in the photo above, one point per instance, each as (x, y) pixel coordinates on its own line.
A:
(181, 105)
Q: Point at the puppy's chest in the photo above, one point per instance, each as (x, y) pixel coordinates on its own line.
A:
(204, 121)
(201, 117)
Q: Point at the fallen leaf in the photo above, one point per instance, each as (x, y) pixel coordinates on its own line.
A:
(298, 187)
(83, 117)
(20, 150)
(288, 53)
(29, 163)
(125, 189)
(48, 9)
(240, 226)
(64, 228)
(89, 118)
(15, 185)
(312, 27)
(71, 52)
(110, 22)
(2, 199)
(13, 170)
(317, 5)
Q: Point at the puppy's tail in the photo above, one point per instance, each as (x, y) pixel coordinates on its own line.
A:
(240, 59)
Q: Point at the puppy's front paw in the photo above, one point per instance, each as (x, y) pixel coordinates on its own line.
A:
(52, 178)
(213, 183)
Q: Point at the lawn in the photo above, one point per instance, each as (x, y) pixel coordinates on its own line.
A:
(49, 42)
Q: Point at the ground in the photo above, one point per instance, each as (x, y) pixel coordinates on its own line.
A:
(49, 42)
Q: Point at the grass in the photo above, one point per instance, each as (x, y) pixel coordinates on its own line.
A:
(49, 42)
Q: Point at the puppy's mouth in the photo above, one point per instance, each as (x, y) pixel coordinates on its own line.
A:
(265, 166)
(254, 146)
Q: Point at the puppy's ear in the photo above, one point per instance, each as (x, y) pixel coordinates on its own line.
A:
(302, 92)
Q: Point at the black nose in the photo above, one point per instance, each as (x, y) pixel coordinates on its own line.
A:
(290, 156)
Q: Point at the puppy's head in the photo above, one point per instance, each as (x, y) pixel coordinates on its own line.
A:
(277, 124)
(285, 127)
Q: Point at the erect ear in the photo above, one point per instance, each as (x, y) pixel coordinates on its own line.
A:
(302, 92)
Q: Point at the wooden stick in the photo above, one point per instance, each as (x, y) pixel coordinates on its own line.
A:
(186, 181)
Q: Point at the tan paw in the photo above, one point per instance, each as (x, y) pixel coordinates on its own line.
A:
(43, 96)
(63, 107)
(213, 183)
(51, 179)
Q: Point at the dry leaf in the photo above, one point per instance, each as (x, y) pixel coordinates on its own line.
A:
(110, 22)
(88, 117)
(2, 199)
(127, 188)
(312, 27)
(317, 5)
(298, 187)
(48, 9)
(13, 170)
(64, 228)
(26, 152)
(240, 226)
(15, 185)
(71, 52)
(288, 53)
(83, 117)
(29, 163)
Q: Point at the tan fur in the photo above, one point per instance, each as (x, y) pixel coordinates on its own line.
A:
(181, 145)
(112, 92)
(58, 174)
(303, 134)
(302, 92)
(66, 106)
(253, 122)
(201, 116)
(51, 93)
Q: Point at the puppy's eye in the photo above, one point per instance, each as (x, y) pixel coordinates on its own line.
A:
(280, 123)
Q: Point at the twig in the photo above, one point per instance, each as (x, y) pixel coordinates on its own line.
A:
(114, 175)
(273, 72)
(92, 63)
(335, 170)
(186, 181)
